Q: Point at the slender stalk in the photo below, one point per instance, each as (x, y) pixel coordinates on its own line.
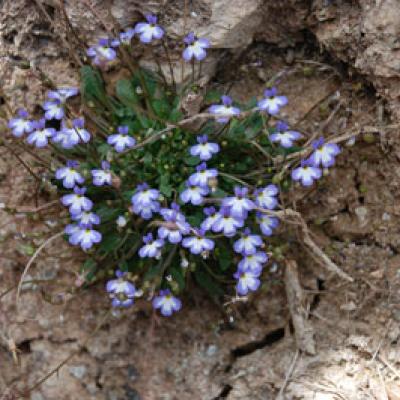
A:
(200, 69)
(185, 16)
(171, 69)
(233, 178)
(30, 262)
(193, 71)
(266, 154)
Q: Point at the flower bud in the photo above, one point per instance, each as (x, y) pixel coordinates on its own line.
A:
(184, 263)
(174, 286)
(121, 221)
(276, 179)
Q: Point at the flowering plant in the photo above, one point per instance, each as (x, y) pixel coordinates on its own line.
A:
(157, 195)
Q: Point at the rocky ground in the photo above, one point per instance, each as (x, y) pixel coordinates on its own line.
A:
(340, 66)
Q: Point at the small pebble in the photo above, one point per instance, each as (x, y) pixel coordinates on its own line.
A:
(78, 371)
(212, 350)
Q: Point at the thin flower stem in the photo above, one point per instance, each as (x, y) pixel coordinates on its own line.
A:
(146, 92)
(30, 262)
(161, 73)
(259, 147)
(149, 140)
(32, 281)
(233, 178)
(58, 152)
(215, 276)
(101, 124)
(169, 259)
(171, 68)
(193, 72)
(185, 17)
(200, 70)
(170, 127)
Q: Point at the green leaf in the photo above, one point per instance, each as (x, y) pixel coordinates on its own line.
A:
(178, 277)
(212, 97)
(176, 114)
(92, 85)
(192, 161)
(146, 77)
(218, 193)
(103, 149)
(165, 186)
(89, 264)
(89, 268)
(161, 108)
(208, 283)
(251, 104)
(126, 92)
(196, 219)
(107, 214)
(148, 159)
(224, 258)
(153, 271)
(109, 242)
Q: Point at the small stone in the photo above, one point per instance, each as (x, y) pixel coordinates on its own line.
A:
(351, 306)
(361, 213)
(132, 372)
(37, 396)
(378, 274)
(394, 333)
(131, 393)
(274, 268)
(44, 323)
(212, 350)
(386, 216)
(351, 142)
(92, 388)
(392, 355)
(112, 395)
(78, 371)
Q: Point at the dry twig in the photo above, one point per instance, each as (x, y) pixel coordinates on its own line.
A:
(288, 375)
(304, 331)
(30, 262)
(325, 261)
